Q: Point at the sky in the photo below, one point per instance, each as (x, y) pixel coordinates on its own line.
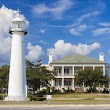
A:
(60, 27)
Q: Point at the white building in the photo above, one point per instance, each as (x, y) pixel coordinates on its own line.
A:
(67, 67)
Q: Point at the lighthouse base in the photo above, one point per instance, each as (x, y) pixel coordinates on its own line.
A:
(16, 98)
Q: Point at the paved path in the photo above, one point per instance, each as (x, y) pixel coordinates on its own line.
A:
(59, 107)
(80, 98)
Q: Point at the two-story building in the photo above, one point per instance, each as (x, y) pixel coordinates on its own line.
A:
(66, 68)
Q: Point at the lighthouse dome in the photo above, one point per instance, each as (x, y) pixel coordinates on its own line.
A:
(18, 19)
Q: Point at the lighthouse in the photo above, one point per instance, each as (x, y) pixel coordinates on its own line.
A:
(17, 88)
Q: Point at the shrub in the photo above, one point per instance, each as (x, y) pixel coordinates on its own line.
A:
(1, 97)
(106, 91)
(40, 99)
(31, 97)
(45, 91)
(68, 90)
(92, 90)
(36, 97)
(56, 91)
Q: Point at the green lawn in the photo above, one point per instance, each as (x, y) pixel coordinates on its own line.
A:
(80, 102)
(55, 102)
(86, 98)
(81, 95)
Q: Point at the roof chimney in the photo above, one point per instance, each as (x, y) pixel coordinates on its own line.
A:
(101, 57)
(50, 58)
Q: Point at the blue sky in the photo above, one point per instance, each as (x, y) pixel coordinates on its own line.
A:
(62, 27)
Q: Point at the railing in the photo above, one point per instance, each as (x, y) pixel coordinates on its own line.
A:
(69, 86)
(59, 74)
(58, 85)
(15, 29)
(64, 74)
(68, 75)
(65, 87)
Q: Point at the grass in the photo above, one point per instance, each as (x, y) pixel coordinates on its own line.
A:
(81, 95)
(86, 98)
(81, 102)
(55, 102)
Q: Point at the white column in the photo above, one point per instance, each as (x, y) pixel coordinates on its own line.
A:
(16, 65)
(83, 68)
(17, 77)
(53, 83)
(51, 67)
(73, 86)
(62, 70)
(73, 70)
(62, 82)
(93, 67)
(103, 70)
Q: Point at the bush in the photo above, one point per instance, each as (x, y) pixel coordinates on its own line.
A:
(105, 91)
(92, 90)
(31, 97)
(68, 90)
(40, 99)
(45, 91)
(36, 97)
(1, 97)
(56, 91)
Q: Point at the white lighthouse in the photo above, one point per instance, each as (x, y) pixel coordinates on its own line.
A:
(17, 88)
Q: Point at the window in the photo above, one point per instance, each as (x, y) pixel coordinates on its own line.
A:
(76, 71)
(57, 82)
(67, 82)
(17, 24)
(58, 70)
(66, 70)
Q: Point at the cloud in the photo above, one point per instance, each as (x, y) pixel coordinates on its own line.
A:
(5, 47)
(42, 31)
(56, 10)
(92, 11)
(109, 51)
(103, 29)
(6, 16)
(42, 42)
(78, 27)
(77, 30)
(87, 15)
(62, 49)
(34, 52)
(105, 24)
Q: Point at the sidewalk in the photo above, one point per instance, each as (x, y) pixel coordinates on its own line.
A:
(80, 98)
(49, 105)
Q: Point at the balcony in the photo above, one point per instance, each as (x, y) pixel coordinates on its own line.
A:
(59, 74)
(66, 74)
(16, 29)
